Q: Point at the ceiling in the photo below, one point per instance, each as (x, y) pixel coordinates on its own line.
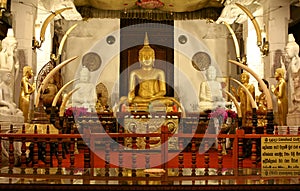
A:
(171, 9)
(167, 5)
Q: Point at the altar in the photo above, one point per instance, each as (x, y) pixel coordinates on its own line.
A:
(151, 123)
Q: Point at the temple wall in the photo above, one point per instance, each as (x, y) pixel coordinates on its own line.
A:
(90, 36)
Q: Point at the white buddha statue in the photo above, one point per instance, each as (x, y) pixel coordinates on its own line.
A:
(86, 95)
(9, 112)
(211, 94)
(8, 58)
(293, 75)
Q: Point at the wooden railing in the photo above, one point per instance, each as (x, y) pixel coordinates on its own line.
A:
(176, 167)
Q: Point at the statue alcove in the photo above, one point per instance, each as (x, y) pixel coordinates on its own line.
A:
(161, 35)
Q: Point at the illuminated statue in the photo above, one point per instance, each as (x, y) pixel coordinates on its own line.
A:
(26, 90)
(241, 96)
(211, 94)
(293, 75)
(86, 95)
(7, 105)
(280, 92)
(8, 58)
(151, 81)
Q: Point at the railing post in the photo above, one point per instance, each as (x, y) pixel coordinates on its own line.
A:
(253, 148)
(270, 123)
(240, 136)
(86, 137)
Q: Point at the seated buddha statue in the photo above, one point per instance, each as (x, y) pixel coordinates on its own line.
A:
(211, 94)
(149, 81)
(8, 108)
(86, 95)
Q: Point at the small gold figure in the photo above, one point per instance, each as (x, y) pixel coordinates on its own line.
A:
(280, 92)
(241, 96)
(26, 90)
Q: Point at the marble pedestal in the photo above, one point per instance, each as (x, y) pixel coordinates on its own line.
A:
(293, 119)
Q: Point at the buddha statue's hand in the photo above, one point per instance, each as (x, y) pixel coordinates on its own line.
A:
(159, 94)
(131, 96)
(273, 88)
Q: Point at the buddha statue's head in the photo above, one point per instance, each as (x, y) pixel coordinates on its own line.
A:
(146, 54)
(27, 71)
(245, 76)
(84, 74)
(292, 48)
(211, 73)
(9, 41)
(279, 73)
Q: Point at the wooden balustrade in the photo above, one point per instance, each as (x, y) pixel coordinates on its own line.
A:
(179, 165)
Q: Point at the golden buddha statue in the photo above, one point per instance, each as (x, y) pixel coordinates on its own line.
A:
(242, 97)
(280, 92)
(27, 89)
(150, 81)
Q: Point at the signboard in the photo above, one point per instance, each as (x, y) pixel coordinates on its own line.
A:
(280, 156)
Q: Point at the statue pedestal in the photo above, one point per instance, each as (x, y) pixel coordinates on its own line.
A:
(145, 108)
(293, 119)
(145, 125)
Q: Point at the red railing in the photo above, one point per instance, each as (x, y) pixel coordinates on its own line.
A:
(112, 163)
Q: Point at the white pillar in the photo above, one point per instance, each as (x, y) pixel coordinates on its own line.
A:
(276, 18)
(23, 18)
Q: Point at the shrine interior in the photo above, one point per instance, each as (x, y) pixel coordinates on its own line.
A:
(149, 94)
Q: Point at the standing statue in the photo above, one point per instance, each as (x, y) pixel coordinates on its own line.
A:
(280, 92)
(86, 95)
(8, 58)
(241, 96)
(293, 75)
(26, 90)
(211, 94)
